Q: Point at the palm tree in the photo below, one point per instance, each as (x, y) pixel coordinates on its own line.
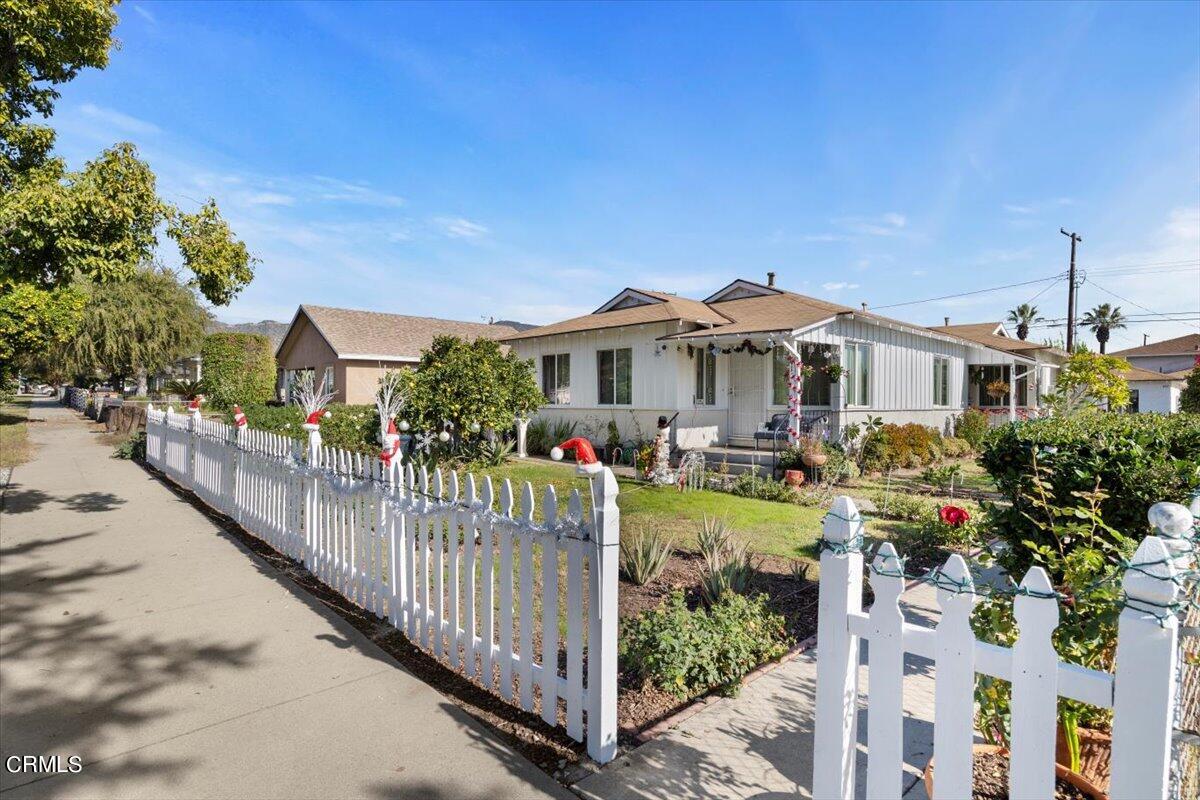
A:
(1102, 320)
(1023, 316)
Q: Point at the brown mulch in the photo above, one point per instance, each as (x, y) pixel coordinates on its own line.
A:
(991, 780)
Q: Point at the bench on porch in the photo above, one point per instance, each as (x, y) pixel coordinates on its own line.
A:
(776, 429)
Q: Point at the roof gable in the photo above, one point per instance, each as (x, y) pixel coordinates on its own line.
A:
(741, 289)
(1186, 345)
(629, 298)
(378, 336)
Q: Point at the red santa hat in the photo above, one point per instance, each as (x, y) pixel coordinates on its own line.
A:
(239, 419)
(313, 421)
(194, 404)
(391, 443)
(585, 456)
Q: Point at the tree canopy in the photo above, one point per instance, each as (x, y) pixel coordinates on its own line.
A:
(1091, 379)
(65, 234)
(239, 368)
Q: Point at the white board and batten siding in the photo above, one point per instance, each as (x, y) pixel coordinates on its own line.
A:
(1141, 692)
(420, 550)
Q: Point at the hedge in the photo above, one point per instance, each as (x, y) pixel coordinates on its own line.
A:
(353, 428)
(239, 368)
(1137, 459)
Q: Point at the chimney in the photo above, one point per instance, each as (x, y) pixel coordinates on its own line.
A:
(1145, 339)
(947, 319)
(770, 279)
(864, 306)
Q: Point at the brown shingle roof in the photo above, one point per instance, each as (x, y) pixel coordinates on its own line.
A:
(671, 308)
(776, 312)
(1181, 345)
(981, 333)
(373, 334)
(1139, 374)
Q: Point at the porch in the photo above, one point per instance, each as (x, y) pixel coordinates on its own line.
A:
(775, 397)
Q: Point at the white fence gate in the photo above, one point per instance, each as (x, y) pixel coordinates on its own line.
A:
(1142, 692)
(432, 555)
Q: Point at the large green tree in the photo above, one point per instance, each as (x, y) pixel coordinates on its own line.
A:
(135, 326)
(1102, 321)
(66, 234)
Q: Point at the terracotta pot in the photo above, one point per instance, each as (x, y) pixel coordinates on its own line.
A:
(1074, 778)
(814, 458)
(793, 477)
(1095, 755)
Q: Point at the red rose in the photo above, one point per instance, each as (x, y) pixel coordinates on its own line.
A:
(954, 516)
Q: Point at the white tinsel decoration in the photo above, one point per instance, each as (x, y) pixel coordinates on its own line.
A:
(310, 396)
(390, 398)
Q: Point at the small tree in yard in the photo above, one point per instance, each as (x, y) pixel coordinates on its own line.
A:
(239, 368)
(1190, 399)
(470, 384)
(1089, 380)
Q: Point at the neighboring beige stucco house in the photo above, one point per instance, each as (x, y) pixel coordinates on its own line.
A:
(350, 349)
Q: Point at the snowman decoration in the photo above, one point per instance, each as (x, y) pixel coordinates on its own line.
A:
(312, 398)
(389, 402)
(659, 472)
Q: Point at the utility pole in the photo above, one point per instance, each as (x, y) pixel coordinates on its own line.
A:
(1075, 239)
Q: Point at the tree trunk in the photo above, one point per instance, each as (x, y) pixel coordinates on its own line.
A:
(1022, 331)
(1102, 338)
(143, 383)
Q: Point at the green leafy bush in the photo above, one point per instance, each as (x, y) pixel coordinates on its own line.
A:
(239, 368)
(943, 476)
(544, 434)
(1189, 399)
(644, 556)
(688, 652)
(353, 428)
(185, 389)
(898, 505)
(954, 447)
(911, 445)
(750, 484)
(132, 448)
(1137, 459)
(971, 425)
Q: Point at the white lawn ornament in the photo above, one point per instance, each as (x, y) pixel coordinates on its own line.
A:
(389, 402)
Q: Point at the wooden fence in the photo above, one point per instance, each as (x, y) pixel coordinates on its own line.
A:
(1142, 692)
(462, 570)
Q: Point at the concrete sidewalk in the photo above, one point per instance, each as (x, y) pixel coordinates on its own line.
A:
(136, 635)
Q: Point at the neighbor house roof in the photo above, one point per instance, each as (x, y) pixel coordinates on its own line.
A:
(984, 333)
(663, 308)
(1139, 374)
(374, 335)
(1179, 346)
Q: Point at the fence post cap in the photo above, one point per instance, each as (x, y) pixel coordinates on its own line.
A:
(1171, 519)
(843, 523)
(1150, 576)
(886, 558)
(956, 571)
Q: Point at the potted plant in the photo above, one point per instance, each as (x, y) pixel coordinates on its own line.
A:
(791, 463)
(997, 389)
(987, 755)
(813, 451)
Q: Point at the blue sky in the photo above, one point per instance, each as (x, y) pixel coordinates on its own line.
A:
(529, 161)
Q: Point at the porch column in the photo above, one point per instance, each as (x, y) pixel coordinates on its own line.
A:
(795, 389)
(1012, 392)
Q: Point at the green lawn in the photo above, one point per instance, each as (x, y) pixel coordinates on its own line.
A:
(14, 434)
(973, 477)
(780, 529)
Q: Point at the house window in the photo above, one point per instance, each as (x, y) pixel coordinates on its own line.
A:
(706, 378)
(329, 387)
(858, 374)
(991, 374)
(556, 378)
(941, 381)
(614, 373)
(1133, 401)
(815, 391)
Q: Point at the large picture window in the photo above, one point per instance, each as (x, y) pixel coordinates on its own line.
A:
(556, 378)
(858, 374)
(706, 378)
(941, 381)
(614, 374)
(816, 386)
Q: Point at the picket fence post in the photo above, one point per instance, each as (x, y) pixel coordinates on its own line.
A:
(1146, 681)
(312, 494)
(193, 435)
(602, 619)
(837, 653)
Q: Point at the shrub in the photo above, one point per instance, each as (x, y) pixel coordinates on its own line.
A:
(353, 428)
(714, 536)
(953, 447)
(750, 484)
(132, 448)
(185, 389)
(492, 452)
(543, 435)
(791, 458)
(897, 505)
(912, 445)
(942, 476)
(1189, 400)
(644, 556)
(971, 425)
(1136, 459)
(238, 368)
(687, 652)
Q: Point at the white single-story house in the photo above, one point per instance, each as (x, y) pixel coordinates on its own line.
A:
(1153, 392)
(1168, 356)
(729, 363)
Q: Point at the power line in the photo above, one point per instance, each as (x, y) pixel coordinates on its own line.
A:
(1131, 302)
(967, 294)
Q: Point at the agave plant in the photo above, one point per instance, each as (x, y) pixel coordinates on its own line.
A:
(184, 388)
(644, 556)
(730, 571)
(714, 537)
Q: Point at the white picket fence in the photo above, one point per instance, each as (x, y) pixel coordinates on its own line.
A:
(1142, 692)
(433, 555)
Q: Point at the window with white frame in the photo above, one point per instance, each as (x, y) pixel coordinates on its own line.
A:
(329, 387)
(706, 378)
(556, 378)
(614, 376)
(815, 388)
(858, 374)
(941, 381)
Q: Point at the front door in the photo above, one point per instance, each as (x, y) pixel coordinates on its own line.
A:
(747, 393)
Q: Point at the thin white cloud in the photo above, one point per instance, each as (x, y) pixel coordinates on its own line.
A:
(460, 228)
(121, 122)
(340, 191)
(269, 199)
(826, 237)
(890, 224)
(838, 286)
(145, 14)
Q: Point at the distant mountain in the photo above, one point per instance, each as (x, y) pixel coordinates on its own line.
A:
(273, 330)
(520, 326)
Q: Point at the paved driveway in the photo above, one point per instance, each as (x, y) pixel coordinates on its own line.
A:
(173, 663)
